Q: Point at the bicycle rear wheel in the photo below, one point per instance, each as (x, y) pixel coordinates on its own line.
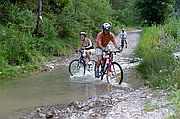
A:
(77, 67)
(91, 66)
(114, 74)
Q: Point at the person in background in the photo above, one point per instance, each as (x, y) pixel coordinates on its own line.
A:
(102, 40)
(86, 44)
(123, 36)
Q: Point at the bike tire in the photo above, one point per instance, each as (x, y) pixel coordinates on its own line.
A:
(114, 74)
(77, 67)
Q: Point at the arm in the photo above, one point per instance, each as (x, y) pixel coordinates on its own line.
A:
(116, 46)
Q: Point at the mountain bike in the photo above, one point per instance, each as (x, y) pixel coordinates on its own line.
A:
(110, 68)
(79, 66)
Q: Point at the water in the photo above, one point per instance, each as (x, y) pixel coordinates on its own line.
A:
(47, 88)
(18, 97)
(56, 87)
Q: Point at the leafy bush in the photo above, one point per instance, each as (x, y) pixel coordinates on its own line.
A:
(156, 47)
(175, 97)
(155, 11)
(62, 21)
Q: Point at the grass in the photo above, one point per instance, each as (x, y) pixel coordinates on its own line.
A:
(156, 48)
(158, 65)
(150, 107)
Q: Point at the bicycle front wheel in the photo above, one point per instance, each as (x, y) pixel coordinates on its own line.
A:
(77, 67)
(114, 73)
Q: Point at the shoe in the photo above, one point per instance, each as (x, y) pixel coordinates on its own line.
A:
(89, 63)
(97, 74)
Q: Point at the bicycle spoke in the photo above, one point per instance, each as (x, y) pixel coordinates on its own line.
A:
(115, 73)
(77, 67)
(91, 67)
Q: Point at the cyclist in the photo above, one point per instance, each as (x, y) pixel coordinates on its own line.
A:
(86, 44)
(123, 36)
(102, 40)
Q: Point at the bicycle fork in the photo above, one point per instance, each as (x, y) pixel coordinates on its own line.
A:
(111, 69)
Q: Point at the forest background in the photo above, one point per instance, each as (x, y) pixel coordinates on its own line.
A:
(23, 48)
(29, 38)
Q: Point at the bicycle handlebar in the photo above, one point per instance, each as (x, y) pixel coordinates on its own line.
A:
(110, 52)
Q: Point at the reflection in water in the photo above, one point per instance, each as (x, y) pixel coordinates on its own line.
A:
(47, 88)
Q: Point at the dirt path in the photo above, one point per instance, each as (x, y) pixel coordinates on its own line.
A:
(141, 103)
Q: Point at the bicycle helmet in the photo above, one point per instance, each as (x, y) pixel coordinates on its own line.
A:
(106, 26)
(83, 33)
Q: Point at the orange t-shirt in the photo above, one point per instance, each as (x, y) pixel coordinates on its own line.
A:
(104, 39)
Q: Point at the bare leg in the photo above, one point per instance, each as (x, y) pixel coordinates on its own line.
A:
(88, 55)
(99, 61)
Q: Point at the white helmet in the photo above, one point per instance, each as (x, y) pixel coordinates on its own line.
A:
(106, 26)
(83, 33)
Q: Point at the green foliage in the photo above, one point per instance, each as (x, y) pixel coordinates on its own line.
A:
(125, 12)
(150, 107)
(155, 11)
(62, 21)
(156, 48)
(175, 97)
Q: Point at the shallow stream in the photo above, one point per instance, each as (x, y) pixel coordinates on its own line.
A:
(57, 87)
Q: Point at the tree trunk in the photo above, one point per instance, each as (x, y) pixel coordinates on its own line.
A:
(39, 18)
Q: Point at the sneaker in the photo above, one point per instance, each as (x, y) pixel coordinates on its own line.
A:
(89, 63)
(97, 74)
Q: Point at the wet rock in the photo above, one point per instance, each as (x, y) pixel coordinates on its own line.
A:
(177, 55)
(49, 115)
(23, 117)
(117, 104)
(39, 110)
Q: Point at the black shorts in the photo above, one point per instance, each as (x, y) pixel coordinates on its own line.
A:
(92, 47)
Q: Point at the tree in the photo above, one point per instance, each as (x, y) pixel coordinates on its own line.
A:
(155, 11)
(39, 16)
(125, 12)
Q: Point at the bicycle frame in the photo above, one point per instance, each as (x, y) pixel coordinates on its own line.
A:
(81, 57)
(113, 71)
(104, 60)
(79, 64)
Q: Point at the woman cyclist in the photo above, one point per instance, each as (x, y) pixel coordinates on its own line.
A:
(86, 44)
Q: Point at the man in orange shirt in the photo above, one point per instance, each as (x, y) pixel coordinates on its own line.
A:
(102, 40)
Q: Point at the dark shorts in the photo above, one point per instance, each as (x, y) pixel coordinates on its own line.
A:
(92, 47)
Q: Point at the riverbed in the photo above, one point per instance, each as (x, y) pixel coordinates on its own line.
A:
(53, 93)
